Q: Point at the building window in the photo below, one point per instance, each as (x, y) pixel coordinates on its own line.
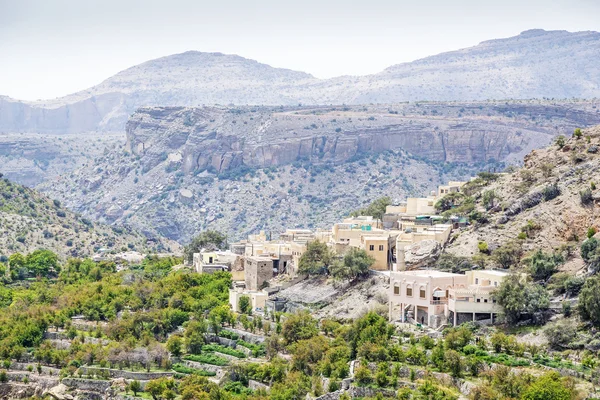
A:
(485, 300)
(372, 247)
(479, 300)
(477, 281)
(409, 291)
(380, 247)
(396, 290)
(422, 293)
(496, 284)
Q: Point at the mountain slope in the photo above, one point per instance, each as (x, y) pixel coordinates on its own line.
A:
(531, 213)
(534, 64)
(29, 221)
(242, 169)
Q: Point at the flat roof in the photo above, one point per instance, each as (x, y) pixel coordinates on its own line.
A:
(426, 272)
(382, 237)
(259, 258)
(493, 272)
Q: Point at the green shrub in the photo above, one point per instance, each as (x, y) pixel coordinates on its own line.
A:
(224, 333)
(258, 350)
(586, 196)
(182, 369)
(483, 247)
(207, 359)
(550, 192)
(223, 349)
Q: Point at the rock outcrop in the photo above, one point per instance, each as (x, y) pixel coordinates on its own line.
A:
(222, 139)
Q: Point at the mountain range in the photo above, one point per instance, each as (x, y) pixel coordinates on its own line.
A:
(533, 64)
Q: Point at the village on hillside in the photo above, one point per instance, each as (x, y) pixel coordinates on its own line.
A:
(398, 243)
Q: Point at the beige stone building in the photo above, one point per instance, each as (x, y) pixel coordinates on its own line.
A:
(258, 270)
(378, 248)
(435, 298)
(422, 295)
(257, 298)
(208, 262)
(475, 302)
(451, 187)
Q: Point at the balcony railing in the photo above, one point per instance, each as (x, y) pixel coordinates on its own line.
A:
(438, 302)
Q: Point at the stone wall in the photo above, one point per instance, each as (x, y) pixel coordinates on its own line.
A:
(248, 337)
(206, 367)
(117, 373)
(87, 384)
(255, 385)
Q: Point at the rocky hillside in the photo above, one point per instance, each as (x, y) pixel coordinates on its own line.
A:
(29, 221)
(30, 158)
(534, 64)
(551, 203)
(248, 168)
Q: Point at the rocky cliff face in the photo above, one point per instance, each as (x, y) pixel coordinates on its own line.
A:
(534, 64)
(222, 139)
(241, 169)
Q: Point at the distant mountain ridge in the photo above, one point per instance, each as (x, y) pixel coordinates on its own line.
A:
(533, 64)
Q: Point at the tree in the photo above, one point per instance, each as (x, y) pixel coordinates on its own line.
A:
(560, 141)
(356, 263)
(516, 297)
(452, 263)
(175, 345)
(577, 133)
(549, 386)
(363, 375)
(454, 363)
(194, 336)
(589, 300)
(206, 240)
(590, 252)
(245, 306)
(16, 261)
(458, 338)
(437, 356)
(135, 386)
(542, 265)
(449, 201)
(382, 377)
(560, 334)
(299, 326)
(316, 259)
(40, 262)
(508, 255)
(490, 199)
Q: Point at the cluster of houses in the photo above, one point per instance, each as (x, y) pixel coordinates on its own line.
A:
(261, 266)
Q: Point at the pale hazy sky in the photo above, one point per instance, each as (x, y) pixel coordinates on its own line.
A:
(50, 48)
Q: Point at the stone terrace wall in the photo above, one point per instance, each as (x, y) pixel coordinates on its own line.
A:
(117, 373)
